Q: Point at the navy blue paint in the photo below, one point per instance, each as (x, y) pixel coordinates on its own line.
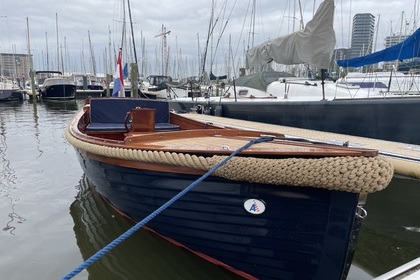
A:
(303, 234)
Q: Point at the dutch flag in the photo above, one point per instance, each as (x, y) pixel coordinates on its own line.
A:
(118, 89)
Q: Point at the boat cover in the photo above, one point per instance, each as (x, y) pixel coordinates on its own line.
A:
(409, 48)
(313, 45)
(260, 80)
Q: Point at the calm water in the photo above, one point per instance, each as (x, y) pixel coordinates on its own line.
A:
(52, 220)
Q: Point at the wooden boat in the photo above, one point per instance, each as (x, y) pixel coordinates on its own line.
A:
(280, 209)
(95, 225)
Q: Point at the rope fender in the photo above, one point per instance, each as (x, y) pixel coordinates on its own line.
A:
(351, 174)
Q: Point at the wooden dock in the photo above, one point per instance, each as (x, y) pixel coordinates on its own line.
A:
(404, 157)
(84, 93)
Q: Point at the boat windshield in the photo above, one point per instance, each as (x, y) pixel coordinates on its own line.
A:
(157, 80)
(58, 81)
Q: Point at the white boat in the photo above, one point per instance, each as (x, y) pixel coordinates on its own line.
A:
(163, 87)
(9, 90)
(384, 110)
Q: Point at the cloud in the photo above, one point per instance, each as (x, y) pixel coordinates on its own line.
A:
(188, 22)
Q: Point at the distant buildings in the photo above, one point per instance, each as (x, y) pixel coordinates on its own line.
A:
(362, 34)
(14, 65)
(342, 53)
(362, 37)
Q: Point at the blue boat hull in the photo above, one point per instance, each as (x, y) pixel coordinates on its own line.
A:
(304, 233)
(59, 92)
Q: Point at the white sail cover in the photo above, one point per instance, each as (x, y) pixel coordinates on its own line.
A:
(314, 45)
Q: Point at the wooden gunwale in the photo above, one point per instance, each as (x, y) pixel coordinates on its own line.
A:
(149, 166)
(215, 140)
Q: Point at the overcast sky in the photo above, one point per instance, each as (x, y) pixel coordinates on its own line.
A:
(187, 21)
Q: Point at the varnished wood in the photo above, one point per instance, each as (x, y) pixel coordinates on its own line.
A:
(147, 165)
(142, 119)
(197, 138)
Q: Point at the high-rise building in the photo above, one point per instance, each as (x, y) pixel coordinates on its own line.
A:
(362, 34)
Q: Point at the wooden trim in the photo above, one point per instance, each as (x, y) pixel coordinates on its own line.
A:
(155, 141)
(157, 167)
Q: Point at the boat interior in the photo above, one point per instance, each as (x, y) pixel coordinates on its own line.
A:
(149, 125)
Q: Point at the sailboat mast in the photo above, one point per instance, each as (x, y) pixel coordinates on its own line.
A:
(198, 54)
(92, 56)
(143, 55)
(301, 16)
(132, 31)
(58, 46)
(31, 70)
(83, 58)
(254, 8)
(123, 31)
(109, 50)
(210, 31)
(46, 42)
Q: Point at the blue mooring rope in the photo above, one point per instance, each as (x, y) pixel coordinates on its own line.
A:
(140, 224)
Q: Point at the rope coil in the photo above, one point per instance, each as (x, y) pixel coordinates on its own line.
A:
(351, 174)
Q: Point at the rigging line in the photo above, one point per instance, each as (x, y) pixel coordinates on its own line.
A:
(223, 30)
(224, 6)
(221, 14)
(252, 22)
(210, 34)
(207, 44)
(242, 30)
(282, 19)
(341, 23)
(222, 10)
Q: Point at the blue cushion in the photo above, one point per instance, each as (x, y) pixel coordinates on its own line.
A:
(121, 127)
(114, 110)
(108, 114)
(106, 127)
(166, 126)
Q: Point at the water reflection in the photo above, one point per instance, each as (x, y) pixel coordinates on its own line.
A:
(390, 234)
(144, 254)
(389, 237)
(7, 181)
(37, 132)
(60, 105)
(10, 104)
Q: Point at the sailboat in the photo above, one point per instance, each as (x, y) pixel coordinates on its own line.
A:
(317, 104)
(391, 82)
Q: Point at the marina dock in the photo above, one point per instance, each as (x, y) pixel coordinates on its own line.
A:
(404, 157)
